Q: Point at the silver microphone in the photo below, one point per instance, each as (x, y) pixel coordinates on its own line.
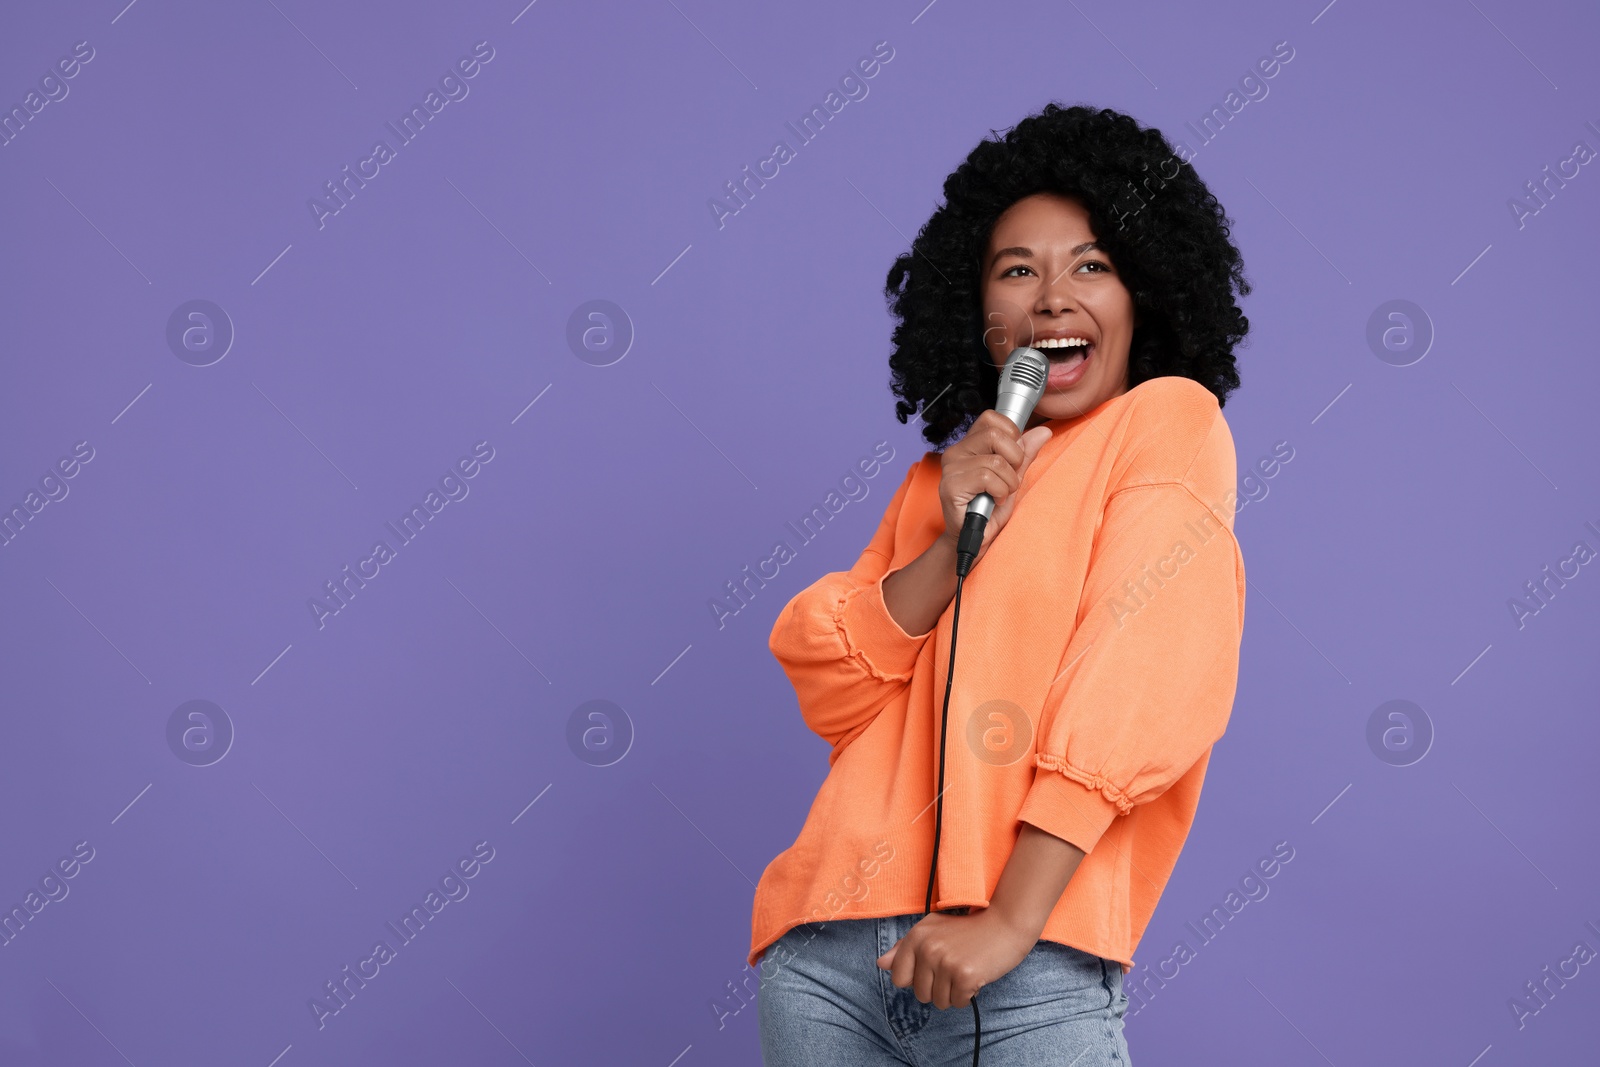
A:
(1022, 383)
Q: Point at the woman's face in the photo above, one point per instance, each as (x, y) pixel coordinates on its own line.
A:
(1044, 280)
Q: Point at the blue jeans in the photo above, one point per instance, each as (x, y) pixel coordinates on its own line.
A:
(824, 1002)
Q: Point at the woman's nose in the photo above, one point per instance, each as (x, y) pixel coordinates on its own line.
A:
(1055, 294)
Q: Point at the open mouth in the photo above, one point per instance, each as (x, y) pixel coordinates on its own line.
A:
(1065, 354)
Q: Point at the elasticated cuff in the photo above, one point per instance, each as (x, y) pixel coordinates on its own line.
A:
(1070, 804)
(873, 636)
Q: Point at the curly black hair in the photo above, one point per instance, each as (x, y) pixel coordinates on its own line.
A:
(1162, 228)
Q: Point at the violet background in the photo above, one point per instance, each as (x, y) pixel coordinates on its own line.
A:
(432, 311)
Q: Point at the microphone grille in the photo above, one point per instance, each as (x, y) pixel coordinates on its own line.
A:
(1028, 369)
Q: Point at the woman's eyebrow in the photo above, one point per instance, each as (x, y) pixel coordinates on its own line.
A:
(1027, 253)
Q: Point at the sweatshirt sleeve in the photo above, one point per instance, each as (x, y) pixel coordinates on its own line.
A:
(841, 649)
(1149, 674)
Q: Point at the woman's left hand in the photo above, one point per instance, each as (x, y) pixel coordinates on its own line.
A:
(948, 958)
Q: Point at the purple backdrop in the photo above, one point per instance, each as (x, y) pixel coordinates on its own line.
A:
(240, 347)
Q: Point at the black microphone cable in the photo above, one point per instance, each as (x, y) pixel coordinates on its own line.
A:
(967, 547)
(1022, 383)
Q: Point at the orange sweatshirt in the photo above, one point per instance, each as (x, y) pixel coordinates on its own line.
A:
(1096, 663)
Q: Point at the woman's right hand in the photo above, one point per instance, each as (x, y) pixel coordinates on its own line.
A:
(992, 457)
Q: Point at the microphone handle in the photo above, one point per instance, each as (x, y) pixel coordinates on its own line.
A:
(1015, 407)
(971, 539)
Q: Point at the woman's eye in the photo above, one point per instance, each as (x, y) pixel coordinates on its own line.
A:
(1090, 263)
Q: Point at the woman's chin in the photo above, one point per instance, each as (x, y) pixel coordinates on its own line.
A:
(1066, 403)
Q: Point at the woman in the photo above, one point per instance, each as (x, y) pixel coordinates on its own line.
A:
(1099, 631)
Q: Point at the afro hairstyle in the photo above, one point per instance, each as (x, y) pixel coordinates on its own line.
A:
(1164, 231)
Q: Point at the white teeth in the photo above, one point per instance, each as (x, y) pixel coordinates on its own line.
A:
(1065, 342)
